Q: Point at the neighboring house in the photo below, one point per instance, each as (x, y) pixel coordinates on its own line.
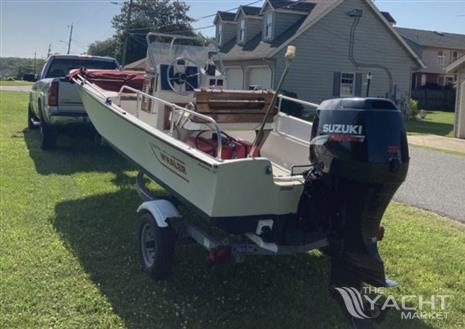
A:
(437, 50)
(458, 68)
(338, 44)
(139, 65)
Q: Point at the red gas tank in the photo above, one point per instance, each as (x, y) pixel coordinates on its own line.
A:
(232, 148)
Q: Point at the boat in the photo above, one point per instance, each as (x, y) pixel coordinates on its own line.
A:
(282, 184)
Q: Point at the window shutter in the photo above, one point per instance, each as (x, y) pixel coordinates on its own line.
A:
(337, 84)
(358, 84)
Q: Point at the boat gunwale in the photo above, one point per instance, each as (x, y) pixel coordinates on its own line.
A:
(184, 148)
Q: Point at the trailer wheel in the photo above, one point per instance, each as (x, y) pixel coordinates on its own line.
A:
(156, 247)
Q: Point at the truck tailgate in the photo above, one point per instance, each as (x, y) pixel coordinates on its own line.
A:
(68, 98)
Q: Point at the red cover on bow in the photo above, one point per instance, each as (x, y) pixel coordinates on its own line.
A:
(111, 80)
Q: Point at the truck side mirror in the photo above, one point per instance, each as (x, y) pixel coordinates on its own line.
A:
(30, 77)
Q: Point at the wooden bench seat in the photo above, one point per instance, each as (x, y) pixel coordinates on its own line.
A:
(230, 106)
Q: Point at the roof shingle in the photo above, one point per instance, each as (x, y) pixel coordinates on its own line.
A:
(250, 10)
(226, 16)
(433, 39)
(302, 6)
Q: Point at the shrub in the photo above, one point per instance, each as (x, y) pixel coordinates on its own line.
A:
(290, 107)
(412, 109)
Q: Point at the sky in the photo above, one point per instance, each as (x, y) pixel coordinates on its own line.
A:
(28, 26)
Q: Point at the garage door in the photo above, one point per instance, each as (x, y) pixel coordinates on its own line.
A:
(234, 77)
(259, 76)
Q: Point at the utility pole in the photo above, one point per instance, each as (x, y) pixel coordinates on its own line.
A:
(126, 37)
(70, 36)
(49, 50)
(35, 59)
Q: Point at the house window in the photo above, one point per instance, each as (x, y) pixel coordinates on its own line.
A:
(219, 34)
(242, 30)
(268, 25)
(455, 56)
(441, 58)
(347, 84)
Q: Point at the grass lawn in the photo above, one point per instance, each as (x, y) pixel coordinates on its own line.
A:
(436, 123)
(68, 253)
(15, 83)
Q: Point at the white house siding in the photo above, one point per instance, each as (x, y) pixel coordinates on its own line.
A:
(323, 50)
(229, 31)
(252, 27)
(283, 21)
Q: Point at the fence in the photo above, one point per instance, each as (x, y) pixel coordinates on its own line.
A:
(435, 99)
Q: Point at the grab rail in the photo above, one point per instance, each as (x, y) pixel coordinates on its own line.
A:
(173, 107)
(295, 100)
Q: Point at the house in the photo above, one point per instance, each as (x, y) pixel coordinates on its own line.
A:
(340, 46)
(458, 68)
(437, 50)
(139, 65)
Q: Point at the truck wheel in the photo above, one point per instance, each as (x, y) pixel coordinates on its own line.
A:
(48, 135)
(156, 247)
(31, 118)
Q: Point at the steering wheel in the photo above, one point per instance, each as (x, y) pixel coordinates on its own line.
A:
(225, 140)
(177, 75)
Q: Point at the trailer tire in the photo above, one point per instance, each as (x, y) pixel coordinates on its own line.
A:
(156, 247)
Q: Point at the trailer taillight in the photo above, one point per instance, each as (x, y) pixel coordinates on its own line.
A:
(53, 94)
(221, 254)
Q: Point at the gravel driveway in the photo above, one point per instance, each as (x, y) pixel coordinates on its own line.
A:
(436, 182)
(16, 88)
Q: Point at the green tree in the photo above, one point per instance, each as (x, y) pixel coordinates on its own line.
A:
(15, 67)
(149, 16)
(108, 47)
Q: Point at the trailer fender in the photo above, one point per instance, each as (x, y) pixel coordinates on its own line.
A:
(161, 210)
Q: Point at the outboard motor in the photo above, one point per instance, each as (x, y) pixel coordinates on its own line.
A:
(360, 156)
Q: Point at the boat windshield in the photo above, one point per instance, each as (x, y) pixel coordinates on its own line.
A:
(166, 53)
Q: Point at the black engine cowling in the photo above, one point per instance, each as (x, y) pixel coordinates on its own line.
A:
(360, 153)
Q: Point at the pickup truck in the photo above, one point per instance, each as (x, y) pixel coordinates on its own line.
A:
(54, 102)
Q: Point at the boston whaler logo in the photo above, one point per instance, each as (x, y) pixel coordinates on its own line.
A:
(371, 303)
(170, 162)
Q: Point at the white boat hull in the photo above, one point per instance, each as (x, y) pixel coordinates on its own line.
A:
(216, 189)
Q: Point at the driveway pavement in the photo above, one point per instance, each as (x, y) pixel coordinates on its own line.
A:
(439, 142)
(15, 88)
(435, 182)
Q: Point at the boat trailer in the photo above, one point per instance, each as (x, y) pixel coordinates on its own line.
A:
(219, 249)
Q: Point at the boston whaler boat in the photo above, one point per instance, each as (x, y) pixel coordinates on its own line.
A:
(278, 184)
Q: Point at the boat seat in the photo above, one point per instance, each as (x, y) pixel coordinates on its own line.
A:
(231, 106)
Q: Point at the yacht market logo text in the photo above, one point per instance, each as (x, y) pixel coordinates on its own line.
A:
(371, 303)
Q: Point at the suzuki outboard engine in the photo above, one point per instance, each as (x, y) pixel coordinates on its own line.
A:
(360, 157)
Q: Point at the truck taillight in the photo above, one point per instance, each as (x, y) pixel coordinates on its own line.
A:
(53, 94)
